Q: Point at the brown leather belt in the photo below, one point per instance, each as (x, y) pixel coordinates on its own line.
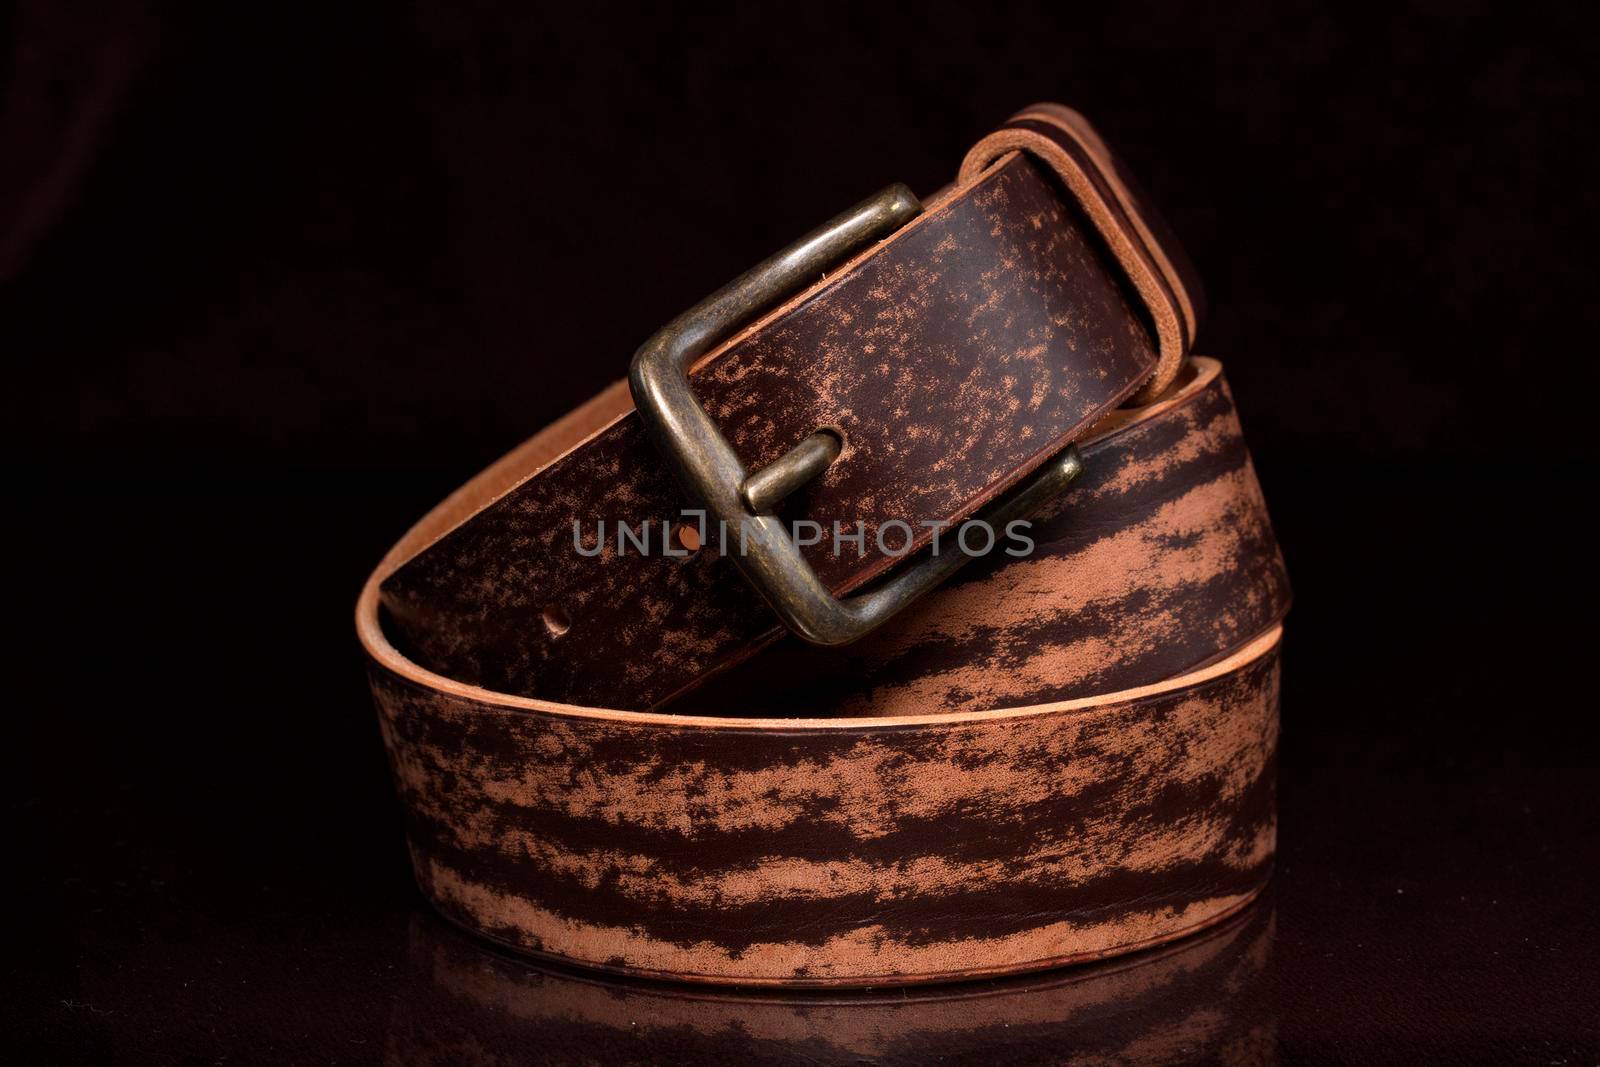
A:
(608, 749)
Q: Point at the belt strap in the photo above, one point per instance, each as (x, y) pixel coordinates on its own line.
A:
(1051, 758)
(955, 357)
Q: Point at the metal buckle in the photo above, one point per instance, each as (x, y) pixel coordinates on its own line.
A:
(711, 472)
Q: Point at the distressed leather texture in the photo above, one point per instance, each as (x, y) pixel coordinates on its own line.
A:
(959, 356)
(1049, 759)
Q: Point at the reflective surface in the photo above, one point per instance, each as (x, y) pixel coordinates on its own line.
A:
(1204, 1000)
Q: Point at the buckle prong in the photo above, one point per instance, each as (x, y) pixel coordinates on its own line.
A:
(768, 487)
(712, 472)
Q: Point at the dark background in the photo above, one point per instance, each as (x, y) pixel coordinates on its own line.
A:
(273, 280)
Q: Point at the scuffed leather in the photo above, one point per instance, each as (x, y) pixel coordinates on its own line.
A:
(955, 358)
(1051, 759)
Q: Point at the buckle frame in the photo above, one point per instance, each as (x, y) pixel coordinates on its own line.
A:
(712, 473)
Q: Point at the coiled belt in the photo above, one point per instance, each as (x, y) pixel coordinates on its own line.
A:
(609, 747)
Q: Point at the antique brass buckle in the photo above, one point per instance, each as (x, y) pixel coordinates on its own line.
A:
(711, 472)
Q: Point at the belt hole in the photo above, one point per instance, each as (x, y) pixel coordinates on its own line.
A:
(556, 620)
(688, 536)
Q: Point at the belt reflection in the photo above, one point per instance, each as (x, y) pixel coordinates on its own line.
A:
(1205, 1000)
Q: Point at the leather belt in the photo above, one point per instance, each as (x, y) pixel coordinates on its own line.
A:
(610, 751)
